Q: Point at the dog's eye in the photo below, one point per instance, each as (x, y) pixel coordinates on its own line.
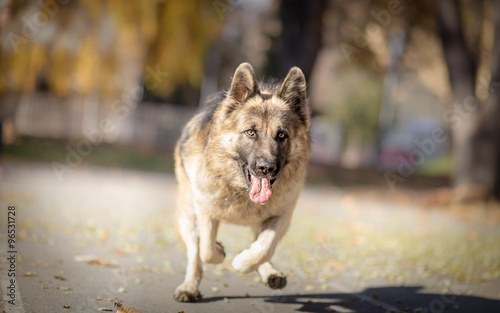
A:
(250, 133)
(281, 135)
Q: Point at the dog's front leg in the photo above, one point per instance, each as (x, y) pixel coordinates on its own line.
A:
(262, 249)
(211, 251)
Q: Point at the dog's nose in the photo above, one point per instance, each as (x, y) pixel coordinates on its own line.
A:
(265, 167)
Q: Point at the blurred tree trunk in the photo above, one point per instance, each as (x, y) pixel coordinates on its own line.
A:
(492, 104)
(301, 36)
(473, 124)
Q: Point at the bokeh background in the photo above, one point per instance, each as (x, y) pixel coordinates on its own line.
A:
(399, 89)
(400, 212)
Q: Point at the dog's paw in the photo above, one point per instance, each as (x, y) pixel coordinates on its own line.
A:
(244, 262)
(182, 295)
(276, 281)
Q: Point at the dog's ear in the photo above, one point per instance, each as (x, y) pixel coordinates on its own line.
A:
(244, 84)
(294, 92)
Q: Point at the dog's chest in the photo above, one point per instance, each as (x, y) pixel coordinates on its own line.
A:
(241, 211)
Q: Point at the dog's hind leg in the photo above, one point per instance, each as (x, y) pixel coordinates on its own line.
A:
(188, 290)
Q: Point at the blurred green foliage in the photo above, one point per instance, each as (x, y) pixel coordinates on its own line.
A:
(355, 102)
(438, 166)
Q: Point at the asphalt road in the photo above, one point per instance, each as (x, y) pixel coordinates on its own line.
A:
(110, 234)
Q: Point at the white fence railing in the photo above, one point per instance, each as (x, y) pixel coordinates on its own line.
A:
(141, 125)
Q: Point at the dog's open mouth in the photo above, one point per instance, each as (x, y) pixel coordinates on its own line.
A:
(259, 188)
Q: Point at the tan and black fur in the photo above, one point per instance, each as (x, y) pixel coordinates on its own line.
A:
(242, 160)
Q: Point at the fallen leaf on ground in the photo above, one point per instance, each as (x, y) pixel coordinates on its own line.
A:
(322, 237)
(309, 287)
(28, 274)
(104, 299)
(120, 251)
(120, 308)
(339, 266)
(66, 306)
(93, 260)
(105, 309)
(85, 257)
(101, 262)
(59, 277)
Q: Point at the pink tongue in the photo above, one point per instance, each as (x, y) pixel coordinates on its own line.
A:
(260, 190)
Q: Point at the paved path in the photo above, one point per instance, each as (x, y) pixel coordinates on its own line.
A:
(110, 233)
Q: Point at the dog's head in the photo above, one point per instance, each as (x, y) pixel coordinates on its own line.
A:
(266, 128)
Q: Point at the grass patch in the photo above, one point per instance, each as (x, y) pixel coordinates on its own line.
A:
(46, 150)
(325, 246)
(437, 166)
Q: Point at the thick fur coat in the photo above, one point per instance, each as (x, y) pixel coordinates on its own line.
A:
(242, 160)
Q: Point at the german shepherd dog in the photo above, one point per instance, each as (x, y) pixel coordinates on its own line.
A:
(242, 160)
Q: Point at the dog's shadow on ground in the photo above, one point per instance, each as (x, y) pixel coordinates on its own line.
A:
(373, 300)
